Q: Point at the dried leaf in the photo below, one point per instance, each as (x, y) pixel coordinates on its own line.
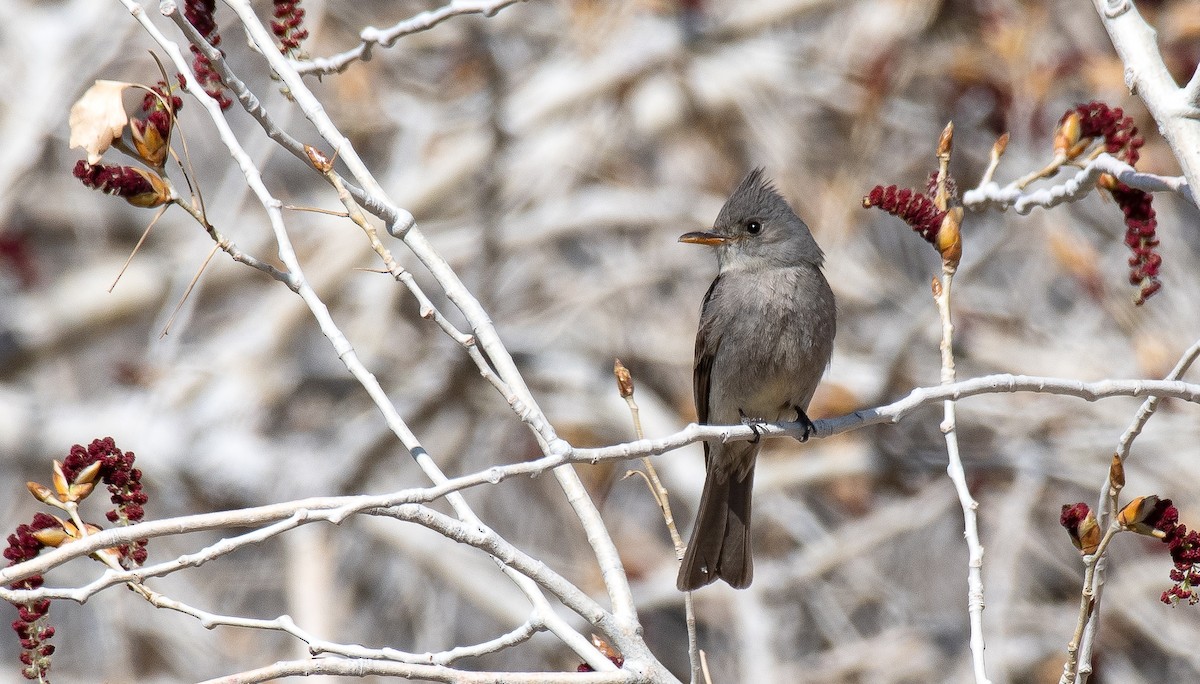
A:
(98, 118)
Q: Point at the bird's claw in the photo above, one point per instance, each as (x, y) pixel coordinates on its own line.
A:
(807, 429)
(755, 424)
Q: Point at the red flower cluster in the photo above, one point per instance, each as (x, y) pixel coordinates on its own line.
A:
(1121, 139)
(139, 187)
(1184, 546)
(151, 103)
(1072, 515)
(124, 483)
(289, 17)
(1140, 227)
(914, 208)
(199, 13)
(157, 115)
(614, 658)
(31, 623)
(1098, 120)
(1081, 526)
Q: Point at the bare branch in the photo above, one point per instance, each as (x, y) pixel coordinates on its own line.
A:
(990, 195)
(387, 37)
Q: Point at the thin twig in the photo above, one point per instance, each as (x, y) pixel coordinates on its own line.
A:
(949, 426)
(1107, 505)
(1087, 606)
(659, 492)
(959, 478)
(401, 224)
(989, 195)
(371, 36)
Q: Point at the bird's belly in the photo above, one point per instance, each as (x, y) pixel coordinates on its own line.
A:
(774, 398)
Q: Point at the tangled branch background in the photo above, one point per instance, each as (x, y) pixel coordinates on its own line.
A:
(551, 153)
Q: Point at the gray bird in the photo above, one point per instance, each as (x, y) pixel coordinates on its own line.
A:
(765, 338)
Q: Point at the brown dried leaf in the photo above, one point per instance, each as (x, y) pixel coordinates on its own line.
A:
(98, 118)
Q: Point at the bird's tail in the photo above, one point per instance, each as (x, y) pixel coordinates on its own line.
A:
(720, 543)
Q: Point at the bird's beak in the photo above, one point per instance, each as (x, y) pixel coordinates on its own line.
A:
(704, 238)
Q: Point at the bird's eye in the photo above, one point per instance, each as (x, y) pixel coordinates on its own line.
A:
(753, 227)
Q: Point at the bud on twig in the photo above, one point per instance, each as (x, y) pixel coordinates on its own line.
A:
(946, 141)
(53, 537)
(949, 239)
(42, 493)
(149, 142)
(88, 474)
(1067, 137)
(1116, 472)
(1081, 526)
(624, 379)
(999, 147)
(61, 487)
(318, 159)
(1140, 515)
(80, 491)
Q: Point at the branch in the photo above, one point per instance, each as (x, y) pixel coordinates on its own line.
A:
(1107, 507)
(1174, 109)
(401, 224)
(435, 673)
(337, 509)
(371, 36)
(610, 562)
(990, 195)
(958, 476)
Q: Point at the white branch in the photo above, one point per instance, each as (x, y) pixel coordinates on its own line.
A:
(484, 331)
(336, 509)
(958, 477)
(401, 224)
(990, 195)
(435, 673)
(1173, 108)
(371, 36)
(1106, 508)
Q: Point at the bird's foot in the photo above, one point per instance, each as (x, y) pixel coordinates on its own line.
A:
(806, 425)
(755, 425)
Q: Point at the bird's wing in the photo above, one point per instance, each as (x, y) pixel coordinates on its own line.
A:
(707, 343)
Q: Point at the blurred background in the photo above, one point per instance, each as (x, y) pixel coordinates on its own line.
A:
(553, 153)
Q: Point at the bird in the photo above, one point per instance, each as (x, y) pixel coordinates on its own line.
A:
(765, 338)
